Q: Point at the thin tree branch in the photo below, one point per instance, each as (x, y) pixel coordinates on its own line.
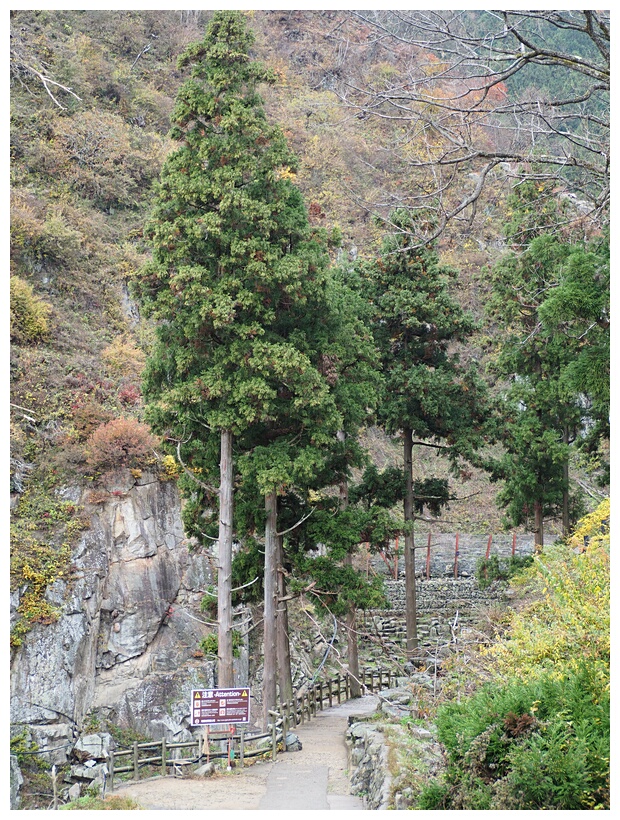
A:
(301, 521)
(46, 81)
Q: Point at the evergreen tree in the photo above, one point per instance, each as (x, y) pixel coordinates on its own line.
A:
(577, 308)
(553, 354)
(550, 303)
(234, 277)
(427, 394)
(354, 367)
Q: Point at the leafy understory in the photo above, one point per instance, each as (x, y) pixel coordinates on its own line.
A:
(535, 734)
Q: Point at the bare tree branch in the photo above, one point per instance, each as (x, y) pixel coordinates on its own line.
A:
(301, 521)
(21, 66)
(467, 102)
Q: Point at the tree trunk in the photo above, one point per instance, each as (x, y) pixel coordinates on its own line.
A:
(352, 642)
(538, 526)
(565, 494)
(270, 607)
(283, 648)
(225, 672)
(410, 598)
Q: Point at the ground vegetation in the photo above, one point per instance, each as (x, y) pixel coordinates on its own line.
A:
(535, 732)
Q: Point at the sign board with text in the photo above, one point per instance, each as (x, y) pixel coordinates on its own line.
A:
(211, 706)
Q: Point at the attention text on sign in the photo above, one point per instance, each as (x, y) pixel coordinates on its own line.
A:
(220, 706)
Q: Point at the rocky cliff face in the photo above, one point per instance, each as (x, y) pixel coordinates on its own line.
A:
(126, 648)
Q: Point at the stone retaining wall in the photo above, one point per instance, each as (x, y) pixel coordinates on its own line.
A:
(376, 748)
(444, 607)
(443, 594)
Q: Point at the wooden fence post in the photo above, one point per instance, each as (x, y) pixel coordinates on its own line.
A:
(111, 767)
(428, 558)
(163, 755)
(339, 685)
(456, 557)
(488, 552)
(136, 773)
(514, 542)
(329, 692)
(241, 746)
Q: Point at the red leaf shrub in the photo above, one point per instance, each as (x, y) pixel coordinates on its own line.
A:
(129, 394)
(122, 442)
(88, 415)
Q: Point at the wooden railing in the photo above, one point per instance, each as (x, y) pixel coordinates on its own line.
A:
(240, 745)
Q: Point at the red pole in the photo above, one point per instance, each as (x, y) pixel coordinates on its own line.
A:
(456, 557)
(428, 558)
(488, 548)
(514, 542)
(232, 732)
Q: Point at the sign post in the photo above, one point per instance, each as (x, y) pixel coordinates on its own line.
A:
(220, 706)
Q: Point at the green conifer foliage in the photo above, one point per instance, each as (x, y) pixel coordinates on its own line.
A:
(550, 303)
(427, 394)
(237, 286)
(232, 254)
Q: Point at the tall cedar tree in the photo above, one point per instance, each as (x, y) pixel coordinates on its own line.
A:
(550, 303)
(312, 457)
(235, 274)
(427, 394)
(356, 383)
(348, 361)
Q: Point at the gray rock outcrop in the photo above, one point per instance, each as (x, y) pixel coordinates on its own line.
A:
(126, 647)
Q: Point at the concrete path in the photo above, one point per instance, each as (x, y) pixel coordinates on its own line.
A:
(315, 778)
(318, 776)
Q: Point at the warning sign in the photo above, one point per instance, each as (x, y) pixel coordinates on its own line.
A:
(220, 706)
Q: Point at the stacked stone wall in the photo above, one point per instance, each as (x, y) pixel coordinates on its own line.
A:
(444, 608)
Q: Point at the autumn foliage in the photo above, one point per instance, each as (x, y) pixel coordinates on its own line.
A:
(122, 442)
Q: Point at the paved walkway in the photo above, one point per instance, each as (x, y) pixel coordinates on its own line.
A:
(315, 778)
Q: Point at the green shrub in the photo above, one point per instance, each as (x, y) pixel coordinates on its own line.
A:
(434, 797)
(29, 313)
(112, 803)
(26, 751)
(209, 644)
(537, 745)
(537, 735)
(495, 568)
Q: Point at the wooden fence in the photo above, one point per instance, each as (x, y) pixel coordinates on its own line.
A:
(239, 745)
(393, 561)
